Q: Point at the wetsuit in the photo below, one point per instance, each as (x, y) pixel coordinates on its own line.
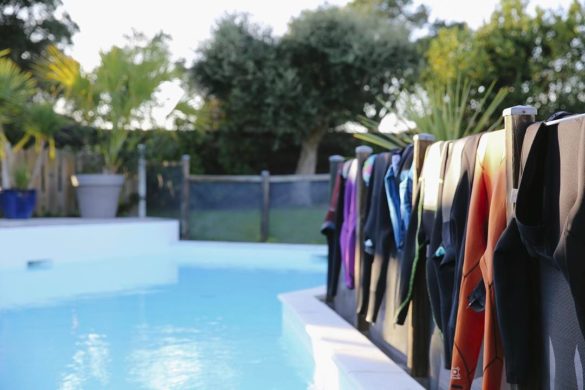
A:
(422, 237)
(377, 241)
(363, 285)
(347, 239)
(548, 232)
(398, 186)
(444, 266)
(331, 229)
(476, 316)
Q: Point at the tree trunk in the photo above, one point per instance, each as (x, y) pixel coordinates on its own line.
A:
(307, 164)
(38, 165)
(7, 160)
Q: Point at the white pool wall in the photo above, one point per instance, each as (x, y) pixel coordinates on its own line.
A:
(76, 239)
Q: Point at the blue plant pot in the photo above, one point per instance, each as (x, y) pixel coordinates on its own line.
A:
(18, 204)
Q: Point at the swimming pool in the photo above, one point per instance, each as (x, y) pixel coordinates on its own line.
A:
(182, 320)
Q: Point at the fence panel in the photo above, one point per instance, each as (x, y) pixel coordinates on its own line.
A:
(55, 192)
(253, 207)
(225, 210)
(163, 190)
(297, 208)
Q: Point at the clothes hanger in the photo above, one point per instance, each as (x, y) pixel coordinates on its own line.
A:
(563, 119)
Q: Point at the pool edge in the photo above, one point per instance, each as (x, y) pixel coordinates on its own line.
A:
(344, 358)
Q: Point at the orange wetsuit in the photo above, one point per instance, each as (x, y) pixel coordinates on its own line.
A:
(476, 319)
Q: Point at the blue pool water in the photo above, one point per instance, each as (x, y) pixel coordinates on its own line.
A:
(152, 323)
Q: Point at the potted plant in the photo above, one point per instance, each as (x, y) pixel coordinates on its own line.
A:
(19, 202)
(118, 94)
(39, 123)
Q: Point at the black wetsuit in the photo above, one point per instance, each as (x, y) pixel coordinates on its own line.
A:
(547, 232)
(331, 228)
(377, 241)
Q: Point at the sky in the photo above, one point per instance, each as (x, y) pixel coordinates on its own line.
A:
(105, 23)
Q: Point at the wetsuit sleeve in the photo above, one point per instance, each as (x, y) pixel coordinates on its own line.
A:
(470, 324)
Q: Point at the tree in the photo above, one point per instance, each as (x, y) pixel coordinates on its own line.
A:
(537, 58)
(16, 89)
(325, 71)
(403, 10)
(27, 27)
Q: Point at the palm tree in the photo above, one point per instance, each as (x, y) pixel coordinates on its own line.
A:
(41, 123)
(16, 89)
(445, 111)
(117, 94)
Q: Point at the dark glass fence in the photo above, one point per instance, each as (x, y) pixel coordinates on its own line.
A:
(254, 208)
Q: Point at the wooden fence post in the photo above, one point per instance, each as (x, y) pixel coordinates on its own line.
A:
(265, 215)
(141, 181)
(419, 330)
(185, 197)
(334, 162)
(362, 152)
(516, 121)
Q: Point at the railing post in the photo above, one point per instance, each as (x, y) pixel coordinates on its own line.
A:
(334, 162)
(516, 121)
(141, 181)
(265, 216)
(419, 330)
(362, 152)
(185, 197)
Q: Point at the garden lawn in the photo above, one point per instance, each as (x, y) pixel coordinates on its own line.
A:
(287, 225)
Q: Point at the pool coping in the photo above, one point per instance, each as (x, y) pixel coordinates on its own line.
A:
(74, 221)
(76, 239)
(344, 357)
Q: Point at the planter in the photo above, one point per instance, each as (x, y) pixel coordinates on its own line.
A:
(18, 204)
(97, 195)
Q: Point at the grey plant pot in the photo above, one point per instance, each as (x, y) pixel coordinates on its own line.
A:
(98, 194)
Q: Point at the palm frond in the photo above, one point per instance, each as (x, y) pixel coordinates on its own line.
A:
(448, 111)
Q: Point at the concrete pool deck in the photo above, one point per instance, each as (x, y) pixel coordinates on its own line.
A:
(344, 358)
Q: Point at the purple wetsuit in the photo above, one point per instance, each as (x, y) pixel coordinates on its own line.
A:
(347, 237)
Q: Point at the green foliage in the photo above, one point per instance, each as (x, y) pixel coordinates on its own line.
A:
(344, 61)
(386, 141)
(394, 10)
(118, 94)
(27, 27)
(68, 80)
(16, 88)
(36, 128)
(21, 177)
(37, 122)
(42, 124)
(450, 55)
(537, 58)
(448, 112)
(324, 71)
